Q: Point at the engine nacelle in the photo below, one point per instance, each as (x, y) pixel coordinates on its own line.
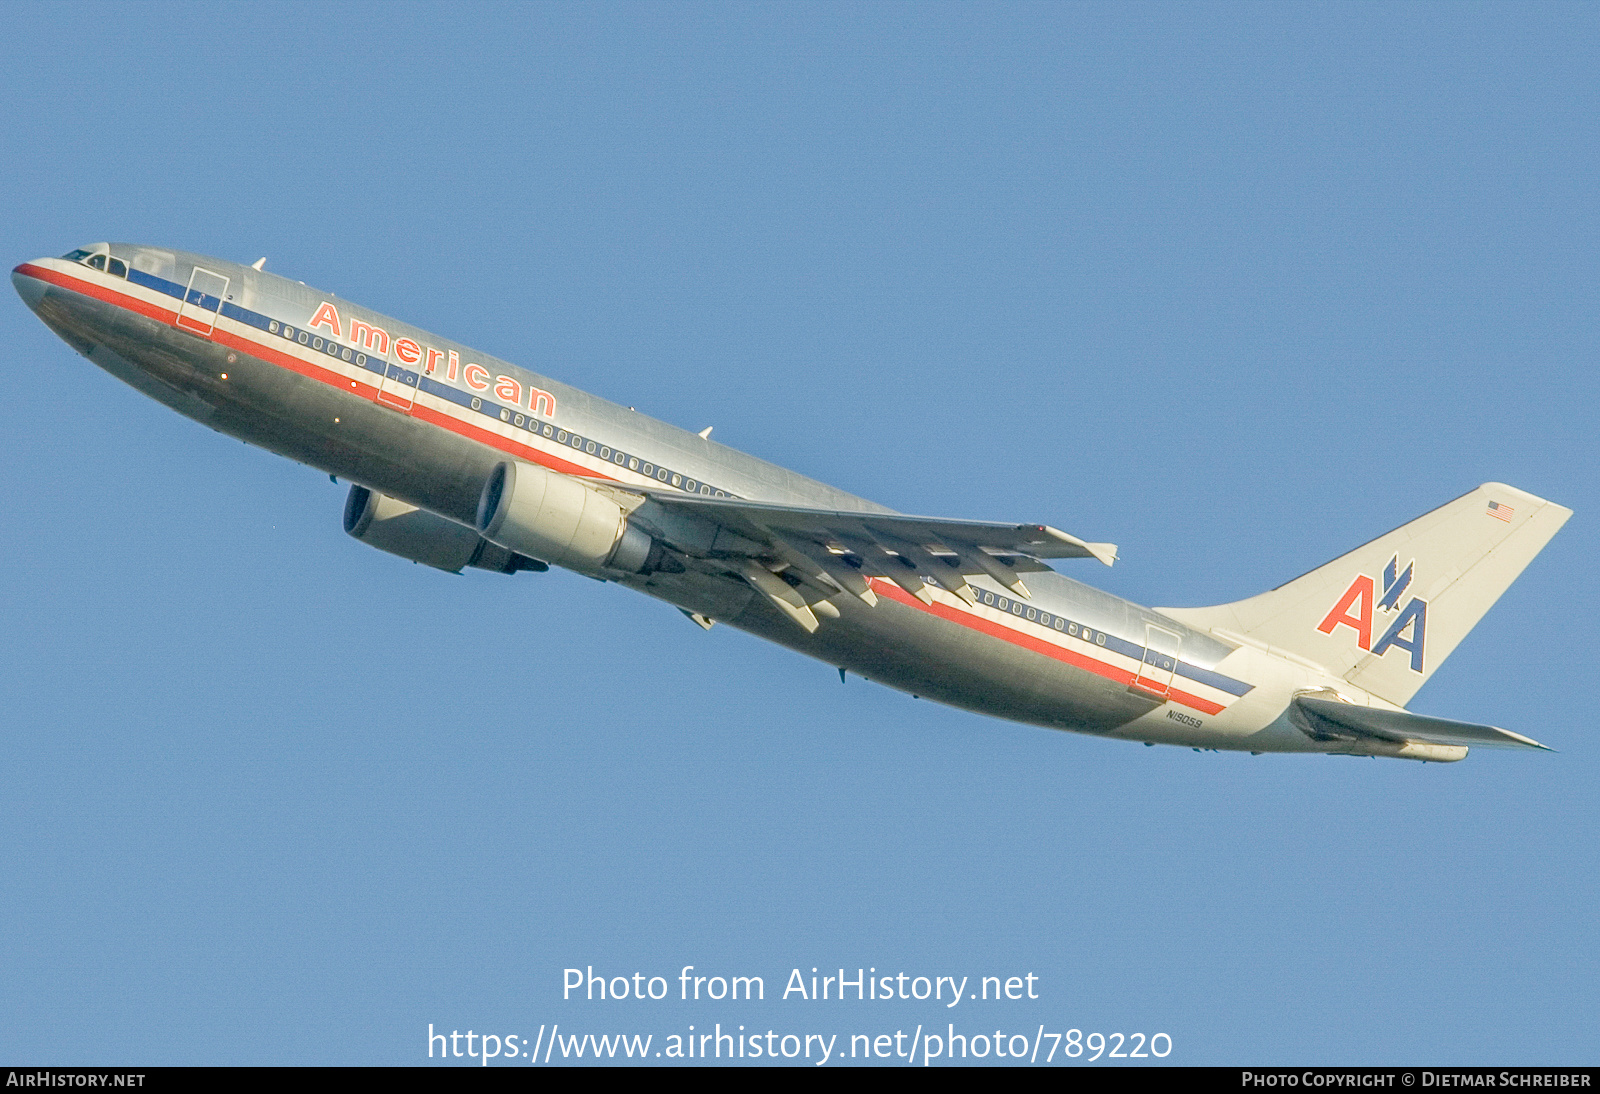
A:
(535, 511)
(400, 529)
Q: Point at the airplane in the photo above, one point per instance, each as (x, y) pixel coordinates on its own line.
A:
(460, 460)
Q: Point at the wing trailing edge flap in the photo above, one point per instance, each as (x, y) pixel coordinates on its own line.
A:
(799, 559)
(1325, 719)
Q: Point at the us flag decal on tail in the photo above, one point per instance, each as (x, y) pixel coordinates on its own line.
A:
(1500, 512)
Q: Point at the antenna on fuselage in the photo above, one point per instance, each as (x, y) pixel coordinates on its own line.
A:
(259, 263)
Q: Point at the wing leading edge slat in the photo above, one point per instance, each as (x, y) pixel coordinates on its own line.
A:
(1038, 540)
(834, 552)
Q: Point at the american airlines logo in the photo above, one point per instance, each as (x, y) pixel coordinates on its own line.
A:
(376, 340)
(1360, 602)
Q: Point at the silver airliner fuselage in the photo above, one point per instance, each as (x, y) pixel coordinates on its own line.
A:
(437, 435)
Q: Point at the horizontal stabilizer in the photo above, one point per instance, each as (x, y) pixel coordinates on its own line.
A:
(1326, 720)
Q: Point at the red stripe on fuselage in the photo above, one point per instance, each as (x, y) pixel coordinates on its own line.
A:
(272, 355)
(1204, 706)
(975, 622)
(275, 356)
(99, 292)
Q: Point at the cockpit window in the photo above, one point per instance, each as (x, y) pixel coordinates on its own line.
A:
(99, 261)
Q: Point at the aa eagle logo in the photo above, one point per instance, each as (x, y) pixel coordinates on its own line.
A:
(1356, 608)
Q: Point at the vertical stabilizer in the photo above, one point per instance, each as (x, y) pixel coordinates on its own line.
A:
(1388, 613)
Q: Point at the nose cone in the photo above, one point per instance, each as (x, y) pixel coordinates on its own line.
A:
(31, 289)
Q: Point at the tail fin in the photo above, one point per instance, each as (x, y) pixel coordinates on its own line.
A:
(1388, 613)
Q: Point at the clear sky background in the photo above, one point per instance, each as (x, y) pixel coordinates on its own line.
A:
(1237, 287)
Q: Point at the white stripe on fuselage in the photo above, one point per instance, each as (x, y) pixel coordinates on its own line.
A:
(1081, 649)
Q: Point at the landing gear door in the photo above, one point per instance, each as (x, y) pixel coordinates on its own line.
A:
(1161, 648)
(197, 314)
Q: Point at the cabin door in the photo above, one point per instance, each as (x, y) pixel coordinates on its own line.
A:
(1160, 661)
(399, 385)
(197, 314)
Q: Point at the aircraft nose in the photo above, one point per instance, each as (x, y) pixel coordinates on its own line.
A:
(31, 289)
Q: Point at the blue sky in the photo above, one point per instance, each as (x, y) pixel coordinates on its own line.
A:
(1234, 286)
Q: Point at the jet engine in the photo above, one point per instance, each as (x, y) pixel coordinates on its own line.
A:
(533, 510)
(390, 525)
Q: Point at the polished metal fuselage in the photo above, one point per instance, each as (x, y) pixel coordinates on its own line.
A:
(414, 454)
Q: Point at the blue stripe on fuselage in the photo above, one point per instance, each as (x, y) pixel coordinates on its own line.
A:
(1192, 672)
(492, 409)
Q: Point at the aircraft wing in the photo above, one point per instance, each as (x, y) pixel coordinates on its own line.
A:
(1331, 719)
(799, 558)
